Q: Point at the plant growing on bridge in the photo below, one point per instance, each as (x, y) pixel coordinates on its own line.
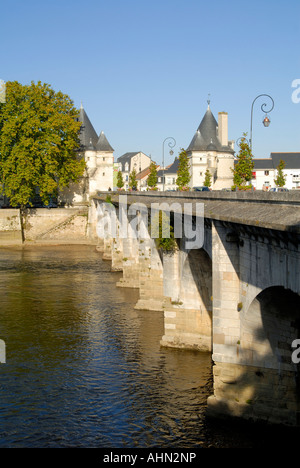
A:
(163, 232)
(183, 172)
(152, 178)
(242, 173)
(39, 139)
(280, 179)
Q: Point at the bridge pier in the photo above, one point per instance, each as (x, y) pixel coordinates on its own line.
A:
(151, 277)
(187, 307)
(254, 375)
(130, 266)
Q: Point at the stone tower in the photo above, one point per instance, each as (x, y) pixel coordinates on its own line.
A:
(210, 149)
(98, 155)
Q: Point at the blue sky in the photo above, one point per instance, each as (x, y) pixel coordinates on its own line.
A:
(143, 69)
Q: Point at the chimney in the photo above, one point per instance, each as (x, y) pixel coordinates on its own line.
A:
(223, 128)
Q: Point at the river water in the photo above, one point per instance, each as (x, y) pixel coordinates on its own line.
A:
(84, 369)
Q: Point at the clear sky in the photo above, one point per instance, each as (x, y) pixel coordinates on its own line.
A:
(143, 69)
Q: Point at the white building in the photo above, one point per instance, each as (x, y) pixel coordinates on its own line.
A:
(210, 149)
(265, 171)
(132, 160)
(99, 159)
(166, 178)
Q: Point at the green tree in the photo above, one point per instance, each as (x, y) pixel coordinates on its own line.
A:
(207, 180)
(183, 172)
(132, 179)
(39, 141)
(280, 179)
(120, 181)
(242, 173)
(152, 178)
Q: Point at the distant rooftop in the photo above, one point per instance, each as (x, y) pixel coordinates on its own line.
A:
(292, 161)
(88, 136)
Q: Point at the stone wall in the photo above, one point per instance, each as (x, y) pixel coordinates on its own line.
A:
(42, 225)
(10, 227)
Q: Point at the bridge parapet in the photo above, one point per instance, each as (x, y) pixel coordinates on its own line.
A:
(278, 210)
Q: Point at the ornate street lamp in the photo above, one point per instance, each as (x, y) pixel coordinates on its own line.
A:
(171, 145)
(266, 121)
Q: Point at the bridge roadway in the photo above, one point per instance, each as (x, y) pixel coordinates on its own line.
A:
(236, 296)
(271, 210)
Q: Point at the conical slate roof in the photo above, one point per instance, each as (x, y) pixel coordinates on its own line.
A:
(102, 143)
(206, 136)
(88, 136)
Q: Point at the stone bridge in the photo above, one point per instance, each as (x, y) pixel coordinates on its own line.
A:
(229, 286)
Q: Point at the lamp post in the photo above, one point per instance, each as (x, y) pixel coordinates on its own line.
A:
(171, 145)
(266, 121)
(135, 158)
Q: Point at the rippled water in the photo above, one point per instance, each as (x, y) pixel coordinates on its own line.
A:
(85, 369)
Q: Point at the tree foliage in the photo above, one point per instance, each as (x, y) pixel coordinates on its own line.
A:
(132, 179)
(39, 139)
(207, 180)
(242, 173)
(152, 178)
(280, 179)
(120, 181)
(183, 172)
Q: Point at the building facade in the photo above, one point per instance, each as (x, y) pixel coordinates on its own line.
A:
(166, 178)
(265, 171)
(132, 160)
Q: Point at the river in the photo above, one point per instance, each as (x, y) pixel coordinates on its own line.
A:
(84, 369)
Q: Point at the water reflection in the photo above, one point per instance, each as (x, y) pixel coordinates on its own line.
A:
(85, 369)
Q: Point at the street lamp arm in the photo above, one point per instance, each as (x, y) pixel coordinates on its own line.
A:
(171, 145)
(262, 108)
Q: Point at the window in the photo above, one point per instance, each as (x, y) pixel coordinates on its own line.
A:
(266, 172)
(103, 159)
(103, 173)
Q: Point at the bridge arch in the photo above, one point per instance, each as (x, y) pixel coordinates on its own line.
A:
(269, 326)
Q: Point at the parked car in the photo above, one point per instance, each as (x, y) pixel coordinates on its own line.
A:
(278, 189)
(201, 189)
